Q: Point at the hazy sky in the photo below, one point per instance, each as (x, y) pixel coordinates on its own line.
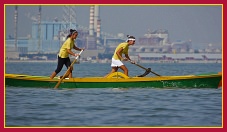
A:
(201, 24)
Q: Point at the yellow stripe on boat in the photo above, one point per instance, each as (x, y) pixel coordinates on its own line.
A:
(117, 79)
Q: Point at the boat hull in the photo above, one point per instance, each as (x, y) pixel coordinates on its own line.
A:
(119, 81)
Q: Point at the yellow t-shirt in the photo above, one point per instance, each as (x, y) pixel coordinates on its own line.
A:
(123, 45)
(68, 44)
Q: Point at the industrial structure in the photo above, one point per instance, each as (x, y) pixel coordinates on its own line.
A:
(48, 36)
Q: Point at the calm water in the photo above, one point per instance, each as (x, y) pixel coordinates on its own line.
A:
(112, 107)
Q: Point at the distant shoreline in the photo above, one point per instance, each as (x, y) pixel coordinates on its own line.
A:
(55, 61)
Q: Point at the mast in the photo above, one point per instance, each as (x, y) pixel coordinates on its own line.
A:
(39, 29)
(15, 26)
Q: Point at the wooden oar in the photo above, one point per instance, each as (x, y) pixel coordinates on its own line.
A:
(67, 72)
(146, 69)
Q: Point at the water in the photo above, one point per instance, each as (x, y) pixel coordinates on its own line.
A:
(137, 107)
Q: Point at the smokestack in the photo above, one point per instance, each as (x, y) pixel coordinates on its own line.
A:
(97, 23)
(96, 17)
(91, 24)
(15, 27)
(98, 35)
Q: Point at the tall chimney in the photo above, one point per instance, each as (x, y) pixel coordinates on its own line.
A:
(98, 35)
(97, 24)
(96, 17)
(15, 27)
(91, 24)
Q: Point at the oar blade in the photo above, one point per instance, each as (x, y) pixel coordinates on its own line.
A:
(146, 73)
(146, 69)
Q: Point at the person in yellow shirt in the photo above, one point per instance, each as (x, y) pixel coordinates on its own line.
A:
(65, 50)
(117, 58)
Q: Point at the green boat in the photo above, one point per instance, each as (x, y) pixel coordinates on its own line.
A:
(116, 80)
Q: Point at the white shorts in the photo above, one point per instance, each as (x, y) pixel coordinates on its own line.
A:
(116, 63)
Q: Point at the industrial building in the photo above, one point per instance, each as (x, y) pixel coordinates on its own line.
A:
(179, 58)
(47, 37)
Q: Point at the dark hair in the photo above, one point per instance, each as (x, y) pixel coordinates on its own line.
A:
(129, 36)
(72, 30)
(71, 33)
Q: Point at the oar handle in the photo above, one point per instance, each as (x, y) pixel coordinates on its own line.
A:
(76, 58)
(137, 65)
(79, 54)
